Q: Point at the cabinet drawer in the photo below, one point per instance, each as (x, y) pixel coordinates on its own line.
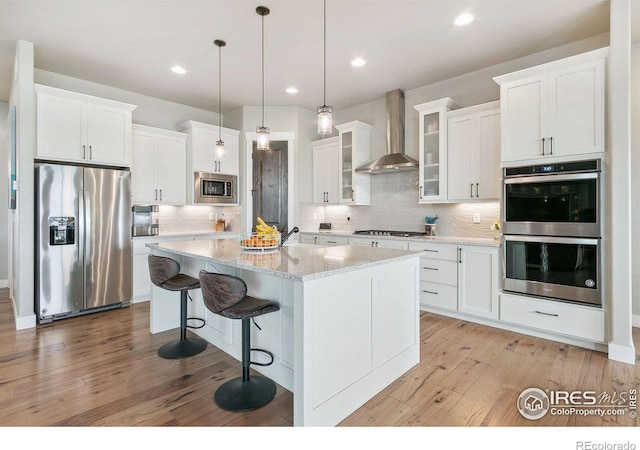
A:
(332, 240)
(439, 271)
(438, 251)
(572, 320)
(439, 295)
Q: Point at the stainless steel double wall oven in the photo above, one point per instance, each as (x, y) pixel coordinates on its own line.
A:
(552, 218)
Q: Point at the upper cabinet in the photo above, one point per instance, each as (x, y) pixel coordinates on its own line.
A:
(355, 150)
(473, 153)
(74, 127)
(201, 148)
(158, 166)
(326, 166)
(202, 155)
(554, 110)
(433, 149)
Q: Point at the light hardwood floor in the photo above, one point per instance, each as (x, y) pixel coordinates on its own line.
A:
(102, 370)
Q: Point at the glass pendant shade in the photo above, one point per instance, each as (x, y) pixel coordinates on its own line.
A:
(325, 119)
(219, 148)
(263, 138)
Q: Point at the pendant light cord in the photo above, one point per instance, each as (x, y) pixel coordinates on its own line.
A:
(263, 70)
(324, 97)
(220, 93)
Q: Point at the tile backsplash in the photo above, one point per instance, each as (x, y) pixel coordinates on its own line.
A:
(394, 206)
(195, 218)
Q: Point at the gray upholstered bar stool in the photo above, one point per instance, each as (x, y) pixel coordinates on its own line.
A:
(165, 273)
(226, 295)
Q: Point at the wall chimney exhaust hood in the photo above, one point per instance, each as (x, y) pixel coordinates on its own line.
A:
(395, 160)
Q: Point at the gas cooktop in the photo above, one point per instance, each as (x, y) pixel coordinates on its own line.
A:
(389, 233)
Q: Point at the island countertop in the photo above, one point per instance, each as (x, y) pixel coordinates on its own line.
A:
(297, 262)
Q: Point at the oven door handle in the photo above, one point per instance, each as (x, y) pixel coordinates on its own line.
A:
(551, 178)
(550, 239)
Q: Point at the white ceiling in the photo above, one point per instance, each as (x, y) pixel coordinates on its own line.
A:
(132, 44)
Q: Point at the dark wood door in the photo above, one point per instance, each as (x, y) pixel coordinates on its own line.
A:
(270, 185)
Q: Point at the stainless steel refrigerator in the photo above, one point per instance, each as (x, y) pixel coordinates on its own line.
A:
(83, 240)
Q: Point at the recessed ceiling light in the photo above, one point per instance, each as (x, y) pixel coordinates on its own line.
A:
(179, 70)
(292, 90)
(464, 19)
(358, 62)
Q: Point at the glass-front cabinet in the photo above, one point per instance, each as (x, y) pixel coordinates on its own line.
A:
(433, 149)
(355, 150)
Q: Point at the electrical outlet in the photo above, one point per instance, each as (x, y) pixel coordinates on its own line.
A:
(476, 218)
(211, 216)
(348, 217)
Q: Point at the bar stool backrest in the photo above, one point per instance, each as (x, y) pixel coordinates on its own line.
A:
(220, 291)
(162, 269)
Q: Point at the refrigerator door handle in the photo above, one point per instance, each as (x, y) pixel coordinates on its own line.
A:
(81, 216)
(87, 226)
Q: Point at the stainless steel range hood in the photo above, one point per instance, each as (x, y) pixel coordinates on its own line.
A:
(395, 160)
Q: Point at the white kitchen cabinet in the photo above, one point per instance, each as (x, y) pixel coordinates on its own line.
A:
(432, 139)
(355, 150)
(576, 321)
(202, 154)
(461, 278)
(474, 153)
(308, 239)
(158, 166)
(554, 110)
(74, 127)
(378, 243)
(328, 240)
(478, 278)
(326, 167)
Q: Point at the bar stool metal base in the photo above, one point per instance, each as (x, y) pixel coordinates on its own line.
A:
(182, 348)
(240, 395)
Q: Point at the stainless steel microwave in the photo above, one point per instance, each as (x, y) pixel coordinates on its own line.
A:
(215, 188)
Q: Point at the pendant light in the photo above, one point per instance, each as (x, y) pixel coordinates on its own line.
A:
(219, 143)
(325, 120)
(262, 131)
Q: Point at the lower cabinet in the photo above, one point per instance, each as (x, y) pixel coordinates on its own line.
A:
(379, 243)
(461, 278)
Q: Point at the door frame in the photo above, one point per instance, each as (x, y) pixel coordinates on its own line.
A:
(249, 139)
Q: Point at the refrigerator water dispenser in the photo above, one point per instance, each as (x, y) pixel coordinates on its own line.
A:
(62, 230)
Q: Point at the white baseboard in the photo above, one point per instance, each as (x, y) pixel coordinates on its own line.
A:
(4, 283)
(24, 322)
(635, 320)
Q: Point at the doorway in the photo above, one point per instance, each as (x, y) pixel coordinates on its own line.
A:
(270, 196)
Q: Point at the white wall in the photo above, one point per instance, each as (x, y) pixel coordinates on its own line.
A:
(635, 180)
(4, 194)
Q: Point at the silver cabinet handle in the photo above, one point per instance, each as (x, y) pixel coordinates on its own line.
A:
(546, 314)
(477, 190)
(156, 194)
(420, 193)
(429, 292)
(331, 242)
(432, 251)
(352, 196)
(160, 194)
(551, 140)
(430, 268)
(543, 139)
(84, 152)
(315, 240)
(90, 152)
(471, 190)
(459, 255)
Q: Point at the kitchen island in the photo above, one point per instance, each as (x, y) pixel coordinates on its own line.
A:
(348, 324)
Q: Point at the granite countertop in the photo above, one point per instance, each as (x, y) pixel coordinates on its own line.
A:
(187, 234)
(456, 240)
(298, 262)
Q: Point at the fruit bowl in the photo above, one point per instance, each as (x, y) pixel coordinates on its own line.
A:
(260, 241)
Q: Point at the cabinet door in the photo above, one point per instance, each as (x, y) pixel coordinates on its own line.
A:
(478, 281)
(170, 170)
(433, 156)
(346, 167)
(319, 175)
(109, 135)
(487, 162)
(524, 108)
(229, 162)
(329, 241)
(143, 187)
(462, 153)
(204, 145)
(61, 128)
(141, 281)
(361, 242)
(392, 244)
(576, 110)
(308, 239)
